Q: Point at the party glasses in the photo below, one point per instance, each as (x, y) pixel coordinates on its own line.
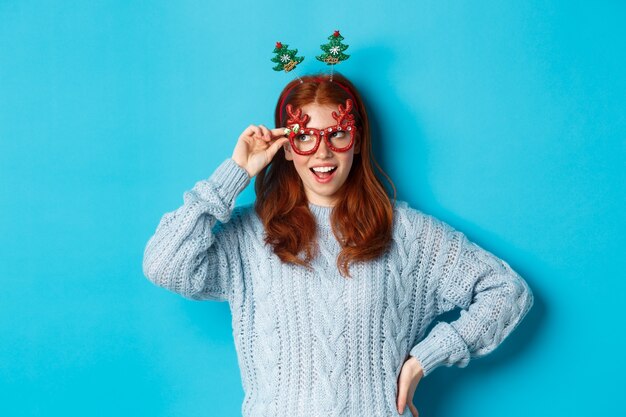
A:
(305, 140)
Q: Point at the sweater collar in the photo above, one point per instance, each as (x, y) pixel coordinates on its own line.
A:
(321, 213)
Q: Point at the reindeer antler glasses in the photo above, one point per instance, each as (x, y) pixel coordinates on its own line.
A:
(305, 140)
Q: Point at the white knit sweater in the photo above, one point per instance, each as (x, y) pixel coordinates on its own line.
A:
(313, 343)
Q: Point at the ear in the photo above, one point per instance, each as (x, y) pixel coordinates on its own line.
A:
(288, 154)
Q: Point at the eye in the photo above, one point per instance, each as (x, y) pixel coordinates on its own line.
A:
(338, 134)
(303, 138)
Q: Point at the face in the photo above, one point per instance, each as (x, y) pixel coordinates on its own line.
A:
(322, 188)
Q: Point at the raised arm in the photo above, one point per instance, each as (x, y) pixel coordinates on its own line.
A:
(493, 299)
(186, 254)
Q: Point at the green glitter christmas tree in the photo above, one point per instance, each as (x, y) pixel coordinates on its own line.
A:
(333, 50)
(285, 58)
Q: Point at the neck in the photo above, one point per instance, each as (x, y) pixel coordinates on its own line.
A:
(324, 201)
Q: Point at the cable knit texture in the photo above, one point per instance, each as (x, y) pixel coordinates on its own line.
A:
(313, 343)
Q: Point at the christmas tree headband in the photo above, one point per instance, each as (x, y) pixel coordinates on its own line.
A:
(286, 60)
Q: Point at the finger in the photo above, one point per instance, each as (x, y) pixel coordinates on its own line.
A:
(274, 147)
(401, 398)
(254, 131)
(414, 410)
(250, 130)
(279, 131)
(266, 133)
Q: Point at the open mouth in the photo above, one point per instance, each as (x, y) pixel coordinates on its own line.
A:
(323, 174)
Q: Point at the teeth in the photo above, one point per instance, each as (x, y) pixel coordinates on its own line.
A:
(323, 169)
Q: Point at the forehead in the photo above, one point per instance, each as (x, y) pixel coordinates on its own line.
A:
(320, 115)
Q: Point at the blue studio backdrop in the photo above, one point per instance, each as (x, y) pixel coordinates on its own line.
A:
(503, 118)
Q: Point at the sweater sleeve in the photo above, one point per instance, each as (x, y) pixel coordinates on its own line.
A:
(492, 297)
(186, 255)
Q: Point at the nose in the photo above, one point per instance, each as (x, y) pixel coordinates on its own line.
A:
(323, 151)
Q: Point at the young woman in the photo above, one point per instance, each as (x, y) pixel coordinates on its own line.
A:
(331, 284)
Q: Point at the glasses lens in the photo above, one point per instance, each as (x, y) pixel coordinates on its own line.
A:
(304, 142)
(340, 138)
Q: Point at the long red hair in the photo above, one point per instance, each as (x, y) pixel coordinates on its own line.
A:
(363, 216)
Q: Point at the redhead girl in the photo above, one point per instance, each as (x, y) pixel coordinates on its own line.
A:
(332, 283)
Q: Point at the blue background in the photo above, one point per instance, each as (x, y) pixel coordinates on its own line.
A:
(503, 118)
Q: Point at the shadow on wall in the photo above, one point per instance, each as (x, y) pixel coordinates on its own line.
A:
(439, 387)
